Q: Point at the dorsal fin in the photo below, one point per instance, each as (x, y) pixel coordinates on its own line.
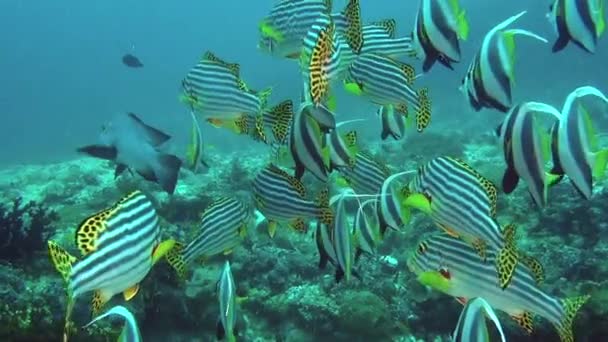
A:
(488, 187)
(409, 72)
(524, 320)
(354, 35)
(389, 25)
(235, 68)
(281, 115)
(92, 227)
(318, 77)
(297, 185)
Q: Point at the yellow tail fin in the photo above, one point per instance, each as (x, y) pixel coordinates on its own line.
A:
(175, 258)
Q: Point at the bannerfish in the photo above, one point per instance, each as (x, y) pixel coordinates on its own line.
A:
(527, 148)
(578, 151)
(131, 61)
(579, 21)
(439, 26)
(226, 295)
(119, 246)
(393, 123)
(451, 266)
(194, 152)
(471, 326)
(367, 228)
(490, 76)
(134, 145)
(307, 145)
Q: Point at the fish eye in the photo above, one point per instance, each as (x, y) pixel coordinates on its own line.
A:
(422, 247)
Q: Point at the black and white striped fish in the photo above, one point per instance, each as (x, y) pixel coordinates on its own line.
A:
(307, 145)
(342, 146)
(439, 26)
(490, 76)
(213, 88)
(579, 21)
(471, 326)
(578, 153)
(386, 81)
(451, 266)
(226, 295)
(526, 148)
(119, 244)
(223, 227)
(282, 199)
(367, 227)
(463, 203)
(343, 241)
(391, 211)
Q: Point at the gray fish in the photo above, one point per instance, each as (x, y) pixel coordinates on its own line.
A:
(134, 145)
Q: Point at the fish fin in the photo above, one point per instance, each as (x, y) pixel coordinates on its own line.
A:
(350, 139)
(61, 259)
(234, 68)
(423, 116)
(220, 331)
(525, 321)
(91, 228)
(99, 151)
(168, 172)
(318, 76)
(354, 33)
(98, 301)
(461, 300)
(435, 280)
(487, 185)
(553, 178)
(509, 180)
(162, 249)
(227, 251)
(175, 258)
(339, 274)
(155, 137)
(463, 24)
(389, 25)
(293, 181)
(429, 61)
(418, 201)
(131, 292)
(326, 215)
(353, 88)
(560, 43)
(449, 231)
(481, 248)
(402, 109)
(408, 71)
(299, 225)
(272, 228)
(507, 258)
(599, 19)
(120, 168)
(282, 115)
(599, 164)
(535, 267)
(571, 307)
(264, 95)
(509, 39)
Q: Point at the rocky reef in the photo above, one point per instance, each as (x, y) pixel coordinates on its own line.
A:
(286, 296)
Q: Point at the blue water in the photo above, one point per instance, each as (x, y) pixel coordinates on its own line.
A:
(62, 76)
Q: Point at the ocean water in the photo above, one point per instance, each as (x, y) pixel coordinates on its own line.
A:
(62, 79)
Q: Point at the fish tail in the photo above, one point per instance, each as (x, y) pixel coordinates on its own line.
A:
(175, 258)
(281, 117)
(264, 95)
(463, 24)
(423, 117)
(571, 307)
(326, 215)
(599, 165)
(61, 259)
(599, 19)
(167, 171)
(507, 257)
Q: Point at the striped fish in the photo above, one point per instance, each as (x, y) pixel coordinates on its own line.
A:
(471, 326)
(439, 26)
(379, 37)
(579, 21)
(342, 146)
(274, 122)
(194, 153)
(463, 203)
(307, 146)
(325, 246)
(367, 175)
(343, 242)
(393, 124)
(526, 149)
(489, 77)
(578, 154)
(284, 28)
(367, 227)
(214, 89)
(386, 81)
(451, 266)
(281, 198)
(130, 333)
(119, 244)
(226, 294)
(223, 227)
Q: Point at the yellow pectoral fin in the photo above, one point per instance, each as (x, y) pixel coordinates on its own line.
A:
(272, 228)
(162, 249)
(418, 201)
(227, 252)
(435, 280)
(131, 292)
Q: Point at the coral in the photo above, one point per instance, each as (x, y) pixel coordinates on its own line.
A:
(363, 313)
(23, 228)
